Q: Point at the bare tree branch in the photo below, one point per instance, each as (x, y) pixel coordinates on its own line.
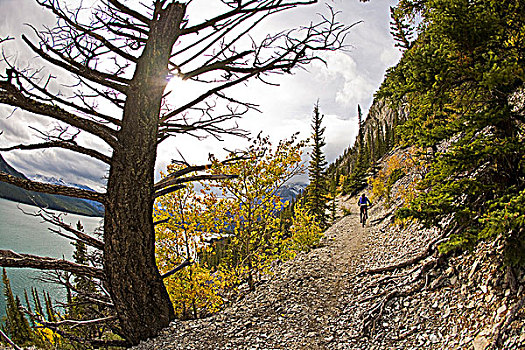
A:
(57, 221)
(207, 94)
(53, 189)
(175, 270)
(10, 95)
(61, 144)
(77, 323)
(9, 341)
(122, 8)
(9, 258)
(53, 97)
(87, 31)
(110, 80)
(191, 169)
(167, 190)
(268, 5)
(178, 181)
(5, 39)
(163, 221)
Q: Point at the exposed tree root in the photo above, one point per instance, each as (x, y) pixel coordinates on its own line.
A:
(406, 284)
(504, 324)
(376, 311)
(431, 248)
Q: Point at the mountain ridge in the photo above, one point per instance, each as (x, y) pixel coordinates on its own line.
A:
(44, 200)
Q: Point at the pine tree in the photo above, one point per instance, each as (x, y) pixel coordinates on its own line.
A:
(38, 304)
(359, 159)
(16, 325)
(360, 126)
(317, 195)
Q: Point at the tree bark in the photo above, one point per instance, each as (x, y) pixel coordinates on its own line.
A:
(134, 282)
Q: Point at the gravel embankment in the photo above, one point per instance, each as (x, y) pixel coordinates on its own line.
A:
(318, 301)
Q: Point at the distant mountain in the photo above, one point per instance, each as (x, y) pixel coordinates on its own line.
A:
(44, 200)
(289, 192)
(55, 181)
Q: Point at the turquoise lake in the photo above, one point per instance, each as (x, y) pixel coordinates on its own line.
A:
(28, 234)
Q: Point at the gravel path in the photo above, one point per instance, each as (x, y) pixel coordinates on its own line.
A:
(293, 309)
(318, 301)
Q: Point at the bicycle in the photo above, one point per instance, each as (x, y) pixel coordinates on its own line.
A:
(363, 214)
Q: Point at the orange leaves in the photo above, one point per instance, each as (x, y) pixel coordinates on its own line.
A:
(395, 167)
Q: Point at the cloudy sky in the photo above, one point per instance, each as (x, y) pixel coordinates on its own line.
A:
(348, 79)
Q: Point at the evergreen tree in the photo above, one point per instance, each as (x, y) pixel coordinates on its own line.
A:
(84, 288)
(38, 304)
(16, 324)
(360, 159)
(360, 125)
(317, 191)
(401, 30)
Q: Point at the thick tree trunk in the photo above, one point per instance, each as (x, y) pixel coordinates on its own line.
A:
(138, 293)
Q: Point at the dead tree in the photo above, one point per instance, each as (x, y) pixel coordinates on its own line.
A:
(121, 57)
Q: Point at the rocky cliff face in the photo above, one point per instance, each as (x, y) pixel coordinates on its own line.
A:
(384, 114)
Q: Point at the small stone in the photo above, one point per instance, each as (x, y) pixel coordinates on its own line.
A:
(473, 269)
(434, 338)
(453, 280)
(484, 289)
(480, 343)
(522, 338)
(502, 309)
(466, 340)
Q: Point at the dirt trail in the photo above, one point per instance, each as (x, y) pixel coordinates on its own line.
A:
(319, 300)
(294, 309)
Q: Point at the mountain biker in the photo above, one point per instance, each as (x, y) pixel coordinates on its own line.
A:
(363, 203)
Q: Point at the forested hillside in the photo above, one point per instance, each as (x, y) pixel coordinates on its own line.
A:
(456, 98)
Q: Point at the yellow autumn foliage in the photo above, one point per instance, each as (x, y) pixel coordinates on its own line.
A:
(229, 231)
